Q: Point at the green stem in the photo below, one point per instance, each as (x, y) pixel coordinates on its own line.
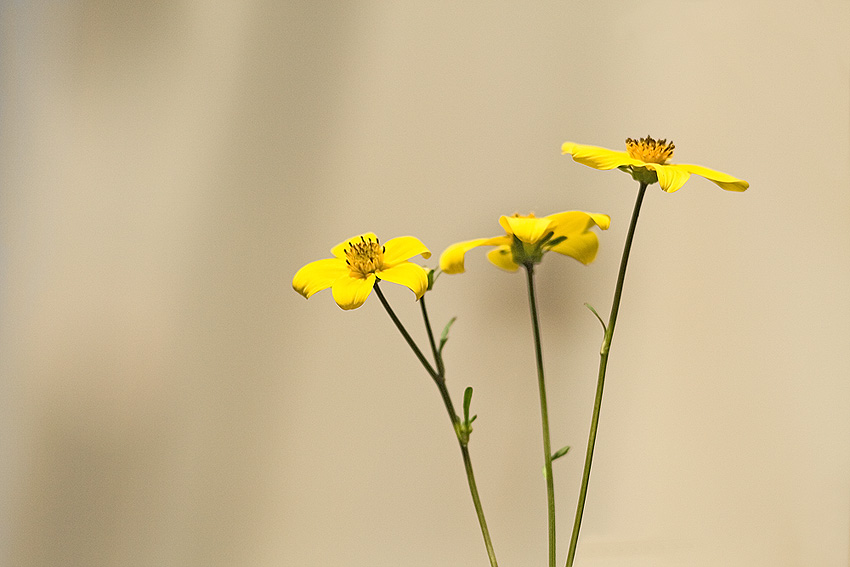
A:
(439, 377)
(441, 369)
(544, 413)
(470, 475)
(405, 334)
(603, 365)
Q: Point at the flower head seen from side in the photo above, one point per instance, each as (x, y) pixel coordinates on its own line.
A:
(528, 238)
(646, 160)
(361, 261)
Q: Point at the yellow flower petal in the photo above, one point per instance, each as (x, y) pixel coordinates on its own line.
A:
(528, 229)
(409, 275)
(598, 158)
(569, 222)
(339, 250)
(582, 247)
(451, 260)
(503, 258)
(723, 180)
(319, 275)
(350, 293)
(403, 248)
(670, 177)
(602, 221)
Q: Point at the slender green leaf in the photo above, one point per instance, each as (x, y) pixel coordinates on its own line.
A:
(560, 452)
(467, 399)
(592, 310)
(445, 334)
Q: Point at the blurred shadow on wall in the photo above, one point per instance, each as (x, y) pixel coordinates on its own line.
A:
(153, 153)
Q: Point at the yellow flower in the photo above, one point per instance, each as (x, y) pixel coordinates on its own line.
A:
(361, 261)
(527, 238)
(646, 160)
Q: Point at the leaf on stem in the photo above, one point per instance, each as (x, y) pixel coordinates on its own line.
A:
(467, 400)
(592, 310)
(560, 452)
(557, 454)
(444, 337)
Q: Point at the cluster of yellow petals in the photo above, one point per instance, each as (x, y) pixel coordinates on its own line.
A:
(646, 159)
(361, 261)
(527, 238)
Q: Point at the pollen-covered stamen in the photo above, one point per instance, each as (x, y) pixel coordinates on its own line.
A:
(364, 257)
(649, 150)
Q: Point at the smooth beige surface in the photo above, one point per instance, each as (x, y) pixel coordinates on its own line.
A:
(166, 399)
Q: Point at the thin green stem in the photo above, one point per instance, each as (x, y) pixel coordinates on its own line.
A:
(414, 347)
(603, 365)
(441, 369)
(470, 475)
(544, 413)
(439, 377)
(473, 489)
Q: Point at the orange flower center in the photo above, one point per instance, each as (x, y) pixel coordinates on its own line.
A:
(649, 150)
(364, 257)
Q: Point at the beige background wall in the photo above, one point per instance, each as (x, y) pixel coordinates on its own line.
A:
(167, 399)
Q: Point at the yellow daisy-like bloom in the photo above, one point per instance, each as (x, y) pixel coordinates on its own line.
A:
(646, 160)
(361, 261)
(527, 238)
